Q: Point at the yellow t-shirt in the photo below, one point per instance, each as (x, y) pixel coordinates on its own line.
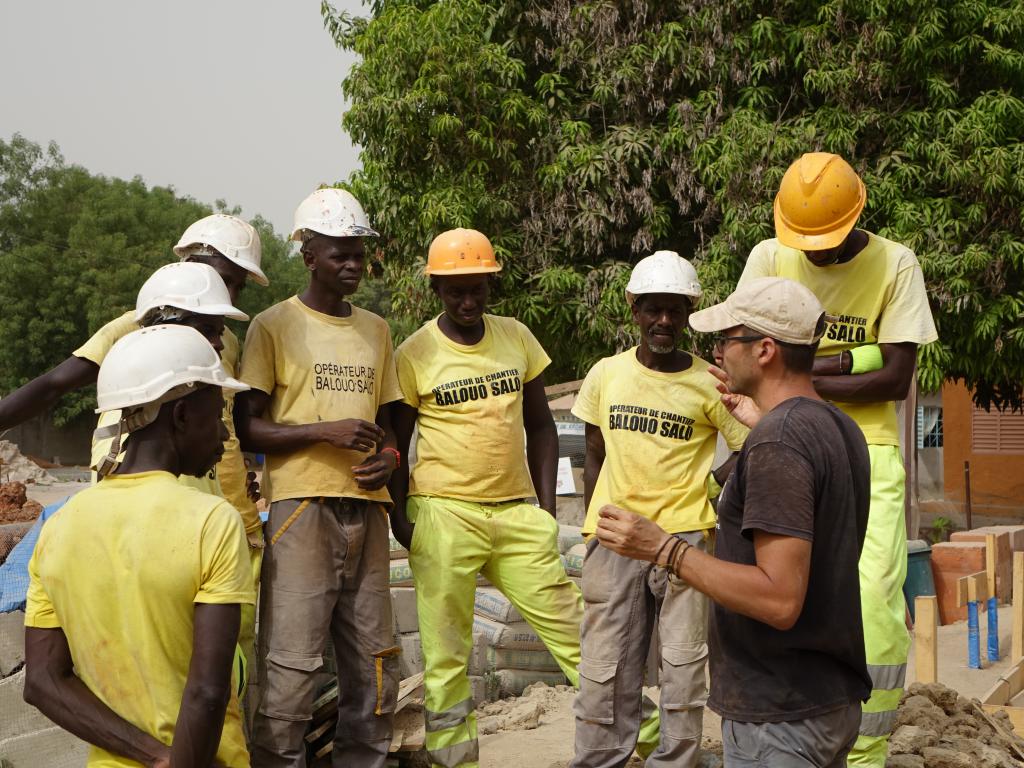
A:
(226, 479)
(119, 569)
(660, 431)
(318, 367)
(879, 298)
(471, 444)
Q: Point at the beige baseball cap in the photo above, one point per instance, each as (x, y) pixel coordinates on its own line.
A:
(774, 306)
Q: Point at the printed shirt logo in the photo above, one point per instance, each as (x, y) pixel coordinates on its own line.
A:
(478, 387)
(335, 377)
(849, 328)
(635, 418)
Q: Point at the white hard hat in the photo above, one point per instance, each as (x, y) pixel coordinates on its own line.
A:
(156, 365)
(332, 212)
(663, 272)
(234, 239)
(190, 286)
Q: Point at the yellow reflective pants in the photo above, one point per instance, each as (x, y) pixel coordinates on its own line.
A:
(883, 568)
(515, 546)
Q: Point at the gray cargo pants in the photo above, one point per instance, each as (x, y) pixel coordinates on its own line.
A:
(622, 599)
(326, 576)
(815, 742)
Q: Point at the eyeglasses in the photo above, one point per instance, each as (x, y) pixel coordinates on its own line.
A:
(721, 340)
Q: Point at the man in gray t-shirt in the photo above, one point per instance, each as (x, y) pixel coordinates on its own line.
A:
(788, 672)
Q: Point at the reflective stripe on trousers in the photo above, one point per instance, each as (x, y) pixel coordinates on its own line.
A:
(883, 569)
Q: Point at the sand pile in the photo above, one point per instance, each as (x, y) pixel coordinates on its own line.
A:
(523, 713)
(938, 728)
(15, 467)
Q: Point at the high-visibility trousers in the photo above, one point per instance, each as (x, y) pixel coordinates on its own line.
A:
(515, 546)
(883, 569)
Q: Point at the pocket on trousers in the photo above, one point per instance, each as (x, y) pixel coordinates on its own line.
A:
(290, 685)
(385, 668)
(596, 700)
(683, 684)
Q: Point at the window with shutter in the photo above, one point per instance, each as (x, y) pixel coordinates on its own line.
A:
(997, 431)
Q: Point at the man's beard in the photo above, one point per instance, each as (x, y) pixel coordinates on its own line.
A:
(662, 349)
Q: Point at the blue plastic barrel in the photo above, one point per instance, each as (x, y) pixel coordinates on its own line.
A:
(920, 580)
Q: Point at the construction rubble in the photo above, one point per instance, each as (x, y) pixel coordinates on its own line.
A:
(16, 467)
(936, 727)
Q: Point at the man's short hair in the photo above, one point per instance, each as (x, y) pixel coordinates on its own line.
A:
(799, 358)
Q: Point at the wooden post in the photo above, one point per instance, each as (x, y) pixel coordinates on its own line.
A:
(1017, 638)
(926, 622)
(990, 562)
(967, 494)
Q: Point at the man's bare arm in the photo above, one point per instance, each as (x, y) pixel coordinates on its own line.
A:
(208, 686)
(52, 686)
(541, 442)
(592, 462)
(403, 421)
(43, 392)
(772, 591)
(890, 382)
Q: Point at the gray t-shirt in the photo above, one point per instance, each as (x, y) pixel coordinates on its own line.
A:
(803, 472)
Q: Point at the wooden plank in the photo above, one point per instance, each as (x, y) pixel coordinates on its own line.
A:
(316, 733)
(1014, 741)
(1017, 638)
(409, 690)
(990, 562)
(926, 612)
(1008, 686)
(563, 389)
(972, 588)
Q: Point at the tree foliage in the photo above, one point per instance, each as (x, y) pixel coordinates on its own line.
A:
(582, 135)
(75, 248)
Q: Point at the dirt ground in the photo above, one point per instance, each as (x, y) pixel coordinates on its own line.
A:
(551, 744)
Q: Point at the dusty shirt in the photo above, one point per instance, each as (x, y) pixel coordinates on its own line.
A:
(226, 479)
(318, 367)
(879, 298)
(660, 431)
(119, 569)
(471, 444)
(803, 472)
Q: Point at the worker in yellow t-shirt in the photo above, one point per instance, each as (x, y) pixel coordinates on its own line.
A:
(875, 290)
(472, 384)
(322, 373)
(136, 583)
(653, 415)
(231, 247)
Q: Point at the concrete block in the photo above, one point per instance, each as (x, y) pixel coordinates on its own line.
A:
(411, 660)
(52, 747)
(951, 561)
(16, 717)
(12, 641)
(403, 609)
(1004, 557)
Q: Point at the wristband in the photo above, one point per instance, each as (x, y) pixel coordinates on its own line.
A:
(397, 455)
(678, 562)
(840, 356)
(866, 359)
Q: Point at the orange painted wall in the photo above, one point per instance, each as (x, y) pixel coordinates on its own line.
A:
(997, 479)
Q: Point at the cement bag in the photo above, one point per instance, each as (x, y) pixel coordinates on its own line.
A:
(491, 604)
(500, 635)
(568, 537)
(398, 552)
(573, 560)
(401, 574)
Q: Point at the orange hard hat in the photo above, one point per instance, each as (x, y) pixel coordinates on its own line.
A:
(818, 202)
(461, 252)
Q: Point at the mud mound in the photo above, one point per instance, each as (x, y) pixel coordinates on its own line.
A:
(15, 506)
(936, 727)
(15, 467)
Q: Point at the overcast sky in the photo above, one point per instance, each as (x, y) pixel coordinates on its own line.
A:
(218, 98)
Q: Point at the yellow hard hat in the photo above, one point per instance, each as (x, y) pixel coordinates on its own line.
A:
(461, 252)
(818, 202)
